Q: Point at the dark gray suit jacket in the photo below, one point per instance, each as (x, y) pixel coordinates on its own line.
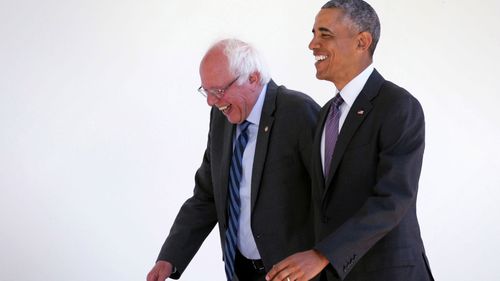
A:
(280, 190)
(365, 213)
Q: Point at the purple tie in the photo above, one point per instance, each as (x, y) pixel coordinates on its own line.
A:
(332, 131)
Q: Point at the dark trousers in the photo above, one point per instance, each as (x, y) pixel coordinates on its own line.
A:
(249, 270)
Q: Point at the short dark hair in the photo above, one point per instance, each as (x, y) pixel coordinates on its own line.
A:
(362, 15)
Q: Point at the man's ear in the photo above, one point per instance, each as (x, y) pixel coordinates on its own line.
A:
(254, 77)
(365, 40)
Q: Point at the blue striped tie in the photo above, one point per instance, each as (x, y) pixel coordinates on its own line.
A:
(234, 201)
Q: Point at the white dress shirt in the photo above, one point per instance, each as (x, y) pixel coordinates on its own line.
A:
(246, 241)
(349, 94)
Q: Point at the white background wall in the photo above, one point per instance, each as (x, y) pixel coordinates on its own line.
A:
(101, 127)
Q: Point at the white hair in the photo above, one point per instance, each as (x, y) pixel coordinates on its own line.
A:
(243, 60)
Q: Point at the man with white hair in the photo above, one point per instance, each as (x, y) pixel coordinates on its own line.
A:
(254, 180)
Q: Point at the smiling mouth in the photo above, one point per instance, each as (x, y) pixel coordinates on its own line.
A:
(225, 108)
(320, 58)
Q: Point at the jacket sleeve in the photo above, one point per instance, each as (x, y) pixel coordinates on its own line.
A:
(194, 222)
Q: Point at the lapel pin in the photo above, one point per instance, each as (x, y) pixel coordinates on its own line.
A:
(360, 112)
(266, 129)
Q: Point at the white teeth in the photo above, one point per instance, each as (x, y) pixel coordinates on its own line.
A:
(320, 58)
(223, 108)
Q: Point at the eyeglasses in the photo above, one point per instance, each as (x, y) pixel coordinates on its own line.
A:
(218, 93)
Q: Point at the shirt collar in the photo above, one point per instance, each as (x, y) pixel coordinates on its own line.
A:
(254, 116)
(353, 88)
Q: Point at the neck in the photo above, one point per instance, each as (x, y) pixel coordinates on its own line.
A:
(340, 83)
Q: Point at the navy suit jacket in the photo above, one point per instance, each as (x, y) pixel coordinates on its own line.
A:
(366, 223)
(280, 189)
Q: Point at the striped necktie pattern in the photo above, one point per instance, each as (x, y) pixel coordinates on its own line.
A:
(233, 209)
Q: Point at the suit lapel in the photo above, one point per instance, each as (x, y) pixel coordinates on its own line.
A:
(355, 117)
(317, 144)
(263, 136)
(227, 150)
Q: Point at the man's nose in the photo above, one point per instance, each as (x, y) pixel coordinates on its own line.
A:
(313, 44)
(211, 99)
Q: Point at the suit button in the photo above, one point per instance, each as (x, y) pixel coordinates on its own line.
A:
(258, 236)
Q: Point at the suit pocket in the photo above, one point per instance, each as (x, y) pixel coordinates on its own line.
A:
(391, 258)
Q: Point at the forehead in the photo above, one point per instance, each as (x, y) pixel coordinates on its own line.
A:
(214, 70)
(329, 18)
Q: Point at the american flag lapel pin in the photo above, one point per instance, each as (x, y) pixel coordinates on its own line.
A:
(360, 112)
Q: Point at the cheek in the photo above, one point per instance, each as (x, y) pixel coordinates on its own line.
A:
(238, 101)
(340, 57)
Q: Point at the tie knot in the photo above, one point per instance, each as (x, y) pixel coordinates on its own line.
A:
(337, 101)
(244, 126)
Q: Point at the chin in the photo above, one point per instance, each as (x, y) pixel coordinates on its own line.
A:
(233, 120)
(320, 76)
(324, 76)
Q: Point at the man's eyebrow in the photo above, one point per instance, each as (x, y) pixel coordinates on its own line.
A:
(323, 29)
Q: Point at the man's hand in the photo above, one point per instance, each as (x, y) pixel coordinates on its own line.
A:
(160, 271)
(301, 266)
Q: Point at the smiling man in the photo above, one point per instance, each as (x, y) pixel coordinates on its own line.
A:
(254, 180)
(366, 159)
